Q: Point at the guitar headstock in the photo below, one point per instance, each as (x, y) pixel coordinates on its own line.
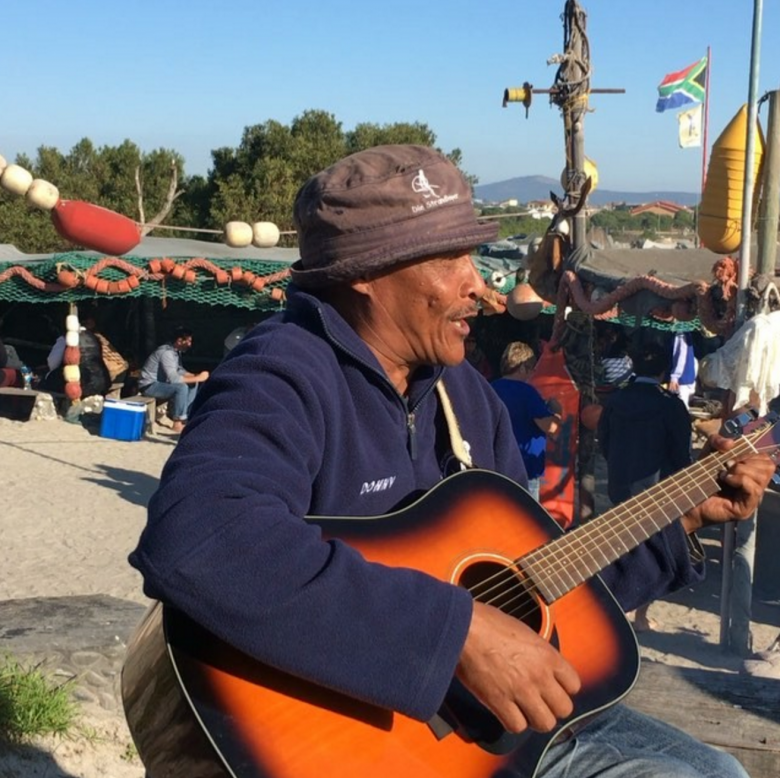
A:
(763, 433)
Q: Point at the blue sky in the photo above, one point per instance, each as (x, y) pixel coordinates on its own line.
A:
(191, 75)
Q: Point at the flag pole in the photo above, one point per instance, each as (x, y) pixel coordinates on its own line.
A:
(706, 121)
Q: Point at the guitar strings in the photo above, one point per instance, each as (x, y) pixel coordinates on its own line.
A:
(599, 530)
(507, 579)
(590, 531)
(683, 481)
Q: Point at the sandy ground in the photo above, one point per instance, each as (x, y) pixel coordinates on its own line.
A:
(73, 509)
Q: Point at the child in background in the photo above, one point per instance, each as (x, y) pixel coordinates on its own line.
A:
(532, 418)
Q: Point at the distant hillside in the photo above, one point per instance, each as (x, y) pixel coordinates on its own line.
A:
(527, 188)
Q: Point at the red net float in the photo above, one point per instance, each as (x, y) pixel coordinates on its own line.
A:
(73, 391)
(94, 227)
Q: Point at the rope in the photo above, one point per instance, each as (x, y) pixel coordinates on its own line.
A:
(456, 439)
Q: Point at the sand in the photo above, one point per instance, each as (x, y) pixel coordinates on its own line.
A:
(73, 509)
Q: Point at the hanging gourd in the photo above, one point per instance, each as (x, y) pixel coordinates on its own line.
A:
(720, 214)
(524, 303)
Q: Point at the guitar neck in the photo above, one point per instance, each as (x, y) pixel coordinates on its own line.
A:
(568, 561)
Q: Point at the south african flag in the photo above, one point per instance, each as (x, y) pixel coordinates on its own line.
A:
(683, 87)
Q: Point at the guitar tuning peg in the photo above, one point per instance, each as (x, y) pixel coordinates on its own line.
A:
(735, 426)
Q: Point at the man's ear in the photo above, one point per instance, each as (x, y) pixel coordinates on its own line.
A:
(362, 286)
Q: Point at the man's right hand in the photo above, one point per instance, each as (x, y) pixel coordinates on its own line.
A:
(515, 673)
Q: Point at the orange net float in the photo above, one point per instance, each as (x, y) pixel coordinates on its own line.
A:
(94, 227)
(68, 278)
(201, 263)
(236, 274)
(167, 265)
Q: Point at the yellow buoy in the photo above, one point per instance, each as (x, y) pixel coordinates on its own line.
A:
(591, 172)
(720, 214)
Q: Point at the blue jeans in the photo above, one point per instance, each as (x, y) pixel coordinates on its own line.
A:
(181, 395)
(622, 743)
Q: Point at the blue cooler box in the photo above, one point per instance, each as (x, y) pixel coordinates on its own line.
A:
(122, 420)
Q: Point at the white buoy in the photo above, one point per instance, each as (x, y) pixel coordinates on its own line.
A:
(71, 339)
(71, 374)
(265, 235)
(43, 195)
(238, 235)
(16, 179)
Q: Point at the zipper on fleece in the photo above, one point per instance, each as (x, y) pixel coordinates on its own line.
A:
(412, 430)
(411, 427)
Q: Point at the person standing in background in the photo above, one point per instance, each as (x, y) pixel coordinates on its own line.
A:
(532, 418)
(682, 378)
(645, 435)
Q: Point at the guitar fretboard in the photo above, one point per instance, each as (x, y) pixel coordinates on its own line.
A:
(566, 562)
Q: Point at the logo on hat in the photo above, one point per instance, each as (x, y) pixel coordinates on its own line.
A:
(421, 185)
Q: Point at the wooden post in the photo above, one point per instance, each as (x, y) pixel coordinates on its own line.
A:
(769, 210)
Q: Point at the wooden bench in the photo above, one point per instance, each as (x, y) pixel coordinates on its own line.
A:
(20, 404)
(737, 713)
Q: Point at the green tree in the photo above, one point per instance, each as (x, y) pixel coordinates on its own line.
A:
(105, 177)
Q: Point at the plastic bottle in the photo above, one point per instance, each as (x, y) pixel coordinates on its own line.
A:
(26, 376)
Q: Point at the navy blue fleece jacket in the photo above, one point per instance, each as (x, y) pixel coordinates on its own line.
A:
(300, 419)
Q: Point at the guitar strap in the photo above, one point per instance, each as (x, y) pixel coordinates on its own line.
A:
(459, 447)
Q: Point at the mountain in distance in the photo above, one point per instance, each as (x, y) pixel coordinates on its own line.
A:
(526, 188)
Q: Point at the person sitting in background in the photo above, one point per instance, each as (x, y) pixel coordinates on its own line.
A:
(532, 418)
(95, 379)
(9, 374)
(163, 377)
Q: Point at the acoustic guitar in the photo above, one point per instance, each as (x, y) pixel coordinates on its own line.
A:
(198, 708)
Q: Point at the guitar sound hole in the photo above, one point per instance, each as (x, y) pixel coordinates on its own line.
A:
(502, 587)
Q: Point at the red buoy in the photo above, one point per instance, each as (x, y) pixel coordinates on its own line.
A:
(94, 227)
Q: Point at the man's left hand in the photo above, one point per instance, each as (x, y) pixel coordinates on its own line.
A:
(743, 485)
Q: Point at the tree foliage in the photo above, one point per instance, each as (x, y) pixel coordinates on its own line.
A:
(104, 176)
(256, 181)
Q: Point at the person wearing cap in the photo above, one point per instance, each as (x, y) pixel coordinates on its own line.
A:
(334, 407)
